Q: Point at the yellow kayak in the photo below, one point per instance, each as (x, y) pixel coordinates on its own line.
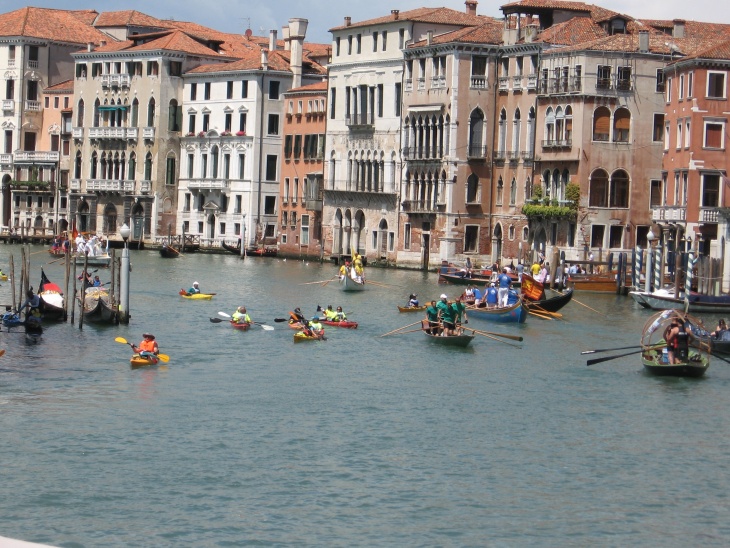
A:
(141, 361)
(196, 296)
(3, 278)
(301, 336)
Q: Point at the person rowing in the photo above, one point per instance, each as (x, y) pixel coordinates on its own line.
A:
(147, 348)
(297, 317)
(432, 316)
(240, 316)
(195, 289)
(446, 315)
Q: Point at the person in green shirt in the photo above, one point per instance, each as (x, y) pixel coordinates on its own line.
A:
(432, 316)
(446, 315)
(459, 313)
(241, 316)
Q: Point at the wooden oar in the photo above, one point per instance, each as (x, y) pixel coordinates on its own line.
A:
(400, 328)
(540, 315)
(380, 284)
(574, 300)
(609, 349)
(541, 310)
(504, 336)
(599, 360)
(163, 357)
(317, 282)
(404, 332)
(485, 334)
(216, 320)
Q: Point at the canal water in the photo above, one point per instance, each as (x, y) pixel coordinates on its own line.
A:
(248, 439)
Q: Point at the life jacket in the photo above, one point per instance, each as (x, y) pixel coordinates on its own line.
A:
(147, 346)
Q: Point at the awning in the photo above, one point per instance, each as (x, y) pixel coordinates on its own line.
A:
(425, 108)
(113, 107)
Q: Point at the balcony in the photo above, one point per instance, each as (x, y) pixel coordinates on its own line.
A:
(208, 184)
(148, 133)
(77, 133)
(112, 132)
(6, 159)
(75, 185)
(422, 153)
(557, 143)
(624, 85)
(107, 185)
(528, 157)
(33, 63)
(8, 104)
(576, 84)
(532, 81)
(408, 84)
(500, 155)
(115, 80)
(503, 83)
(513, 156)
(709, 214)
(145, 186)
(32, 106)
(36, 156)
(360, 119)
(421, 84)
(517, 83)
(476, 152)
(419, 206)
(668, 213)
(478, 82)
(603, 84)
(438, 82)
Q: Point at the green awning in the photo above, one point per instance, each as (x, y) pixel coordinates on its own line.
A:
(113, 107)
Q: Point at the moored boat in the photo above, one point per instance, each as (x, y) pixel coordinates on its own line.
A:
(512, 313)
(33, 332)
(236, 250)
(51, 299)
(550, 304)
(664, 299)
(691, 354)
(98, 306)
(169, 252)
(138, 360)
(412, 308)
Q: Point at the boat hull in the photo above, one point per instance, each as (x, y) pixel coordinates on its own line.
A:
(142, 361)
(167, 252)
(552, 304)
(197, 296)
(236, 250)
(694, 367)
(245, 326)
(461, 341)
(33, 333)
(97, 307)
(697, 303)
(346, 324)
(515, 313)
(348, 284)
(303, 337)
(97, 260)
(412, 308)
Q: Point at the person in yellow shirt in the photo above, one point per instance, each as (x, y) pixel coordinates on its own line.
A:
(535, 269)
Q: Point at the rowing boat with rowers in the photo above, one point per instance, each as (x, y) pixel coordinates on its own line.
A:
(412, 308)
(461, 340)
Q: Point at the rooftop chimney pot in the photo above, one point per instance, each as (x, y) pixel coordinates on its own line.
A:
(471, 7)
(678, 30)
(272, 40)
(395, 14)
(348, 21)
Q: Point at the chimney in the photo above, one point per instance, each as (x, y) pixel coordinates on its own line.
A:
(643, 41)
(297, 32)
(89, 46)
(264, 59)
(429, 37)
(102, 43)
(471, 7)
(348, 21)
(285, 37)
(272, 40)
(678, 30)
(395, 14)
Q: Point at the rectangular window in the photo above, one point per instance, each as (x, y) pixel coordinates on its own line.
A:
(659, 80)
(186, 206)
(206, 122)
(222, 229)
(714, 137)
(274, 89)
(690, 84)
(175, 68)
(193, 91)
(333, 102)
(680, 94)
(273, 127)
(200, 227)
(229, 89)
(397, 98)
(287, 146)
(191, 167)
(603, 77)
(615, 236)
(55, 102)
(655, 198)
(337, 46)
(286, 190)
(380, 100)
(55, 142)
(206, 94)
(669, 90)
(295, 192)
(710, 190)
(716, 85)
(242, 123)
(401, 38)
(679, 134)
(471, 238)
(597, 232)
(271, 165)
(623, 82)
(65, 102)
(229, 122)
(666, 135)
(244, 89)
(241, 165)
(304, 230)
(384, 41)
(237, 207)
(66, 146)
(658, 132)
(170, 171)
(407, 236)
(153, 68)
(297, 147)
(269, 205)
(359, 43)
(375, 41)
(349, 45)
(686, 133)
(191, 123)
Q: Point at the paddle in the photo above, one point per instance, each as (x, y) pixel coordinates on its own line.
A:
(400, 328)
(163, 357)
(216, 320)
(609, 349)
(504, 336)
(580, 303)
(599, 360)
(317, 282)
(484, 334)
(228, 316)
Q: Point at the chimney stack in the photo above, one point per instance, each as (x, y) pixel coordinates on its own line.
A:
(643, 41)
(678, 30)
(285, 37)
(297, 32)
(264, 59)
(348, 21)
(272, 40)
(102, 43)
(395, 14)
(471, 7)
(89, 46)
(429, 37)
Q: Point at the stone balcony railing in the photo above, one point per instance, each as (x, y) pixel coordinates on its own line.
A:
(532, 81)
(33, 106)
(8, 104)
(33, 64)
(36, 156)
(503, 83)
(208, 184)
(109, 185)
(145, 186)
(709, 214)
(115, 80)
(478, 82)
(113, 132)
(6, 159)
(668, 213)
(148, 132)
(74, 185)
(77, 133)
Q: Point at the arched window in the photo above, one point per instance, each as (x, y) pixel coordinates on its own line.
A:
(546, 182)
(598, 191)
(110, 219)
(96, 113)
(568, 125)
(148, 167)
(619, 196)
(476, 134)
(80, 114)
(503, 131)
(621, 125)
(557, 189)
(151, 112)
(559, 125)
(472, 189)
(174, 118)
(549, 126)
(135, 113)
(214, 163)
(94, 164)
(513, 192)
(529, 145)
(500, 190)
(601, 124)
(132, 171)
(77, 166)
(516, 125)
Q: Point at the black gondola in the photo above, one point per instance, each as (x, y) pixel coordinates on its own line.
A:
(551, 304)
(169, 252)
(236, 250)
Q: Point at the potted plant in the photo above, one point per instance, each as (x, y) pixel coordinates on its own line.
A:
(240, 133)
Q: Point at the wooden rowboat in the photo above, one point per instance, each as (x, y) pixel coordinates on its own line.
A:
(169, 252)
(348, 284)
(240, 326)
(452, 340)
(412, 308)
(514, 313)
(551, 304)
(695, 365)
(692, 353)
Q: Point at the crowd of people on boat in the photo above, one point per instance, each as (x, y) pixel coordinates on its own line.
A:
(354, 270)
(444, 318)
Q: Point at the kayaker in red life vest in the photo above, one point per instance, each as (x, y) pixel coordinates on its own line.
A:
(148, 346)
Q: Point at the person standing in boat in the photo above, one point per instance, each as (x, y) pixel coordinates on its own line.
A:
(432, 316)
(241, 316)
(148, 347)
(343, 270)
(459, 314)
(446, 315)
(195, 289)
(505, 282)
(33, 306)
(491, 296)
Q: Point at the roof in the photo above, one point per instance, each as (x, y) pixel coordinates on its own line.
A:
(565, 5)
(488, 32)
(277, 60)
(658, 44)
(319, 86)
(573, 31)
(443, 16)
(51, 24)
(66, 86)
(692, 29)
(717, 51)
(126, 18)
(170, 40)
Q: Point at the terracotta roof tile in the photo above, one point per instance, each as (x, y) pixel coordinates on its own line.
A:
(444, 16)
(62, 87)
(565, 5)
(717, 50)
(658, 44)
(692, 29)
(277, 60)
(319, 86)
(573, 31)
(176, 40)
(50, 24)
(488, 32)
(126, 18)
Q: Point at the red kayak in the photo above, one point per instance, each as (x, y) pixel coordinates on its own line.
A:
(346, 324)
(240, 326)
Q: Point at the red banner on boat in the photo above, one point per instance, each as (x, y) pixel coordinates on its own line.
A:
(532, 290)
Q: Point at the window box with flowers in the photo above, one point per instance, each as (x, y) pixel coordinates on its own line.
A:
(201, 134)
(225, 134)
(240, 134)
(190, 134)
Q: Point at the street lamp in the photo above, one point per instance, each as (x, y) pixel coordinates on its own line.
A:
(124, 276)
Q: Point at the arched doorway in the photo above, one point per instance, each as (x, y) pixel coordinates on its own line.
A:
(337, 235)
(211, 226)
(538, 244)
(357, 228)
(137, 221)
(7, 205)
(383, 239)
(110, 219)
(83, 216)
(346, 247)
(497, 244)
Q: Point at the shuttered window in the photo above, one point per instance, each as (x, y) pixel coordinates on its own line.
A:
(713, 135)
(601, 124)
